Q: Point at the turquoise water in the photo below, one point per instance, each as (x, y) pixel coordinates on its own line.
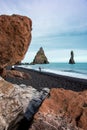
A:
(74, 70)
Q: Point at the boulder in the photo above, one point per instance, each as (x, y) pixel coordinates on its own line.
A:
(16, 73)
(61, 110)
(15, 37)
(40, 57)
(17, 102)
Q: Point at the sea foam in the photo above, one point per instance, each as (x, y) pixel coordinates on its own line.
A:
(66, 73)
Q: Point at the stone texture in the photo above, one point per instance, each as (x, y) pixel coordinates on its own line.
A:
(19, 74)
(63, 109)
(17, 102)
(15, 37)
(40, 57)
(71, 61)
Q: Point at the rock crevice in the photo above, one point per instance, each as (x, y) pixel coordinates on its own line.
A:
(18, 102)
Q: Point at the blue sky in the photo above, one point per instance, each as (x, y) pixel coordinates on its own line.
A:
(59, 26)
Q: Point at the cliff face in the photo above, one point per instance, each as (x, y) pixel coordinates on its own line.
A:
(15, 37)
(71, 61)
(40, 57)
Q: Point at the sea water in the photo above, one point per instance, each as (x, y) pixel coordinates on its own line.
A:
(78, 70)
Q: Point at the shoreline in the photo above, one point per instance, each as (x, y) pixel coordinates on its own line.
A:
(63, 69)
(69, 74)
(41, 80)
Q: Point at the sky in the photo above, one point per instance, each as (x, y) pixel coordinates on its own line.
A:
(59, 26)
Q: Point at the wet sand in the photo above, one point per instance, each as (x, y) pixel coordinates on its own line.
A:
(41, 80)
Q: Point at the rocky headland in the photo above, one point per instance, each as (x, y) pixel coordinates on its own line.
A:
(40, 57)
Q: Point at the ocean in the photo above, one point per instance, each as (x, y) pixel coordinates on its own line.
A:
(78, 70)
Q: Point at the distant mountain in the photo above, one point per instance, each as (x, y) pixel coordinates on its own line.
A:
(40, 57)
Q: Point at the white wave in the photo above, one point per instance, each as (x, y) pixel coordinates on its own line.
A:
(65, 73)
(60, 72)
(25, 66)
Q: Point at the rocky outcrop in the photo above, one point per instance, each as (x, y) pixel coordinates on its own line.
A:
(15, 37)
(71, 61)
(40, 57)
(15, 73)
(17, 102)
(63, 109)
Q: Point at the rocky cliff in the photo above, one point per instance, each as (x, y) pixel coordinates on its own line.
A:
(15, 37)
(40, 57)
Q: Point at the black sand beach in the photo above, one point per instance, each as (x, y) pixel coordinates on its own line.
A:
(41, 80)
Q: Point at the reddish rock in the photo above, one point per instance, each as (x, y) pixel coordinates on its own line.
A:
(15, 73)
(15, 37)
(63, 109)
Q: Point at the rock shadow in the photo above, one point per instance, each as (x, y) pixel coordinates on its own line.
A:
(31, 109)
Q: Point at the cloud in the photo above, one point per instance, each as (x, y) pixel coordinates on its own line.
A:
(57, 24)
(49, 16)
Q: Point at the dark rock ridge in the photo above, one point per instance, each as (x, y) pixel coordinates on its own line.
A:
(40, 57)
(15, 37)
(71, 61)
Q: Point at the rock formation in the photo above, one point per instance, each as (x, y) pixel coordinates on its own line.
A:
(40, 57)
(19, 74)
(17, 102)
(63, 109)
(15, 37)
(71, 61)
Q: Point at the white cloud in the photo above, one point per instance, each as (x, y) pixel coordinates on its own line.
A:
(49, 15)
(50, 19)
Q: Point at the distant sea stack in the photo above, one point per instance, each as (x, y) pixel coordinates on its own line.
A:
(71, 61)
(40, 57)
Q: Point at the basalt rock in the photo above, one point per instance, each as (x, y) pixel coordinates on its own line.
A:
(40, 57)
(71, 61)
(15, 37)
(63, 109)
(17, 103)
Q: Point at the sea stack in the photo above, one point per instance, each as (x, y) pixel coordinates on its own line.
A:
(71, 61)
(40, 57)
